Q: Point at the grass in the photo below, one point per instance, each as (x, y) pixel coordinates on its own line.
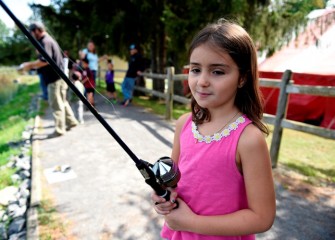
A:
(50, 224)
(311, 156)
(14, 117)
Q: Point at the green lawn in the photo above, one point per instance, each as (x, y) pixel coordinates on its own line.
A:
(14, 117)
(309, 155)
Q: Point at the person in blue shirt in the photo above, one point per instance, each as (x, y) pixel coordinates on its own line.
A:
(135, 68)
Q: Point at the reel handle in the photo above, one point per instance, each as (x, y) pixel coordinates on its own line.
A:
(164, 173)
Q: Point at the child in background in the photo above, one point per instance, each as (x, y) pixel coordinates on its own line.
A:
(226, 189)
(88, 81)
(76, 78)
(110, 86)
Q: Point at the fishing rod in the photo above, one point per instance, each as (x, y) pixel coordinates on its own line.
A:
(164, 173)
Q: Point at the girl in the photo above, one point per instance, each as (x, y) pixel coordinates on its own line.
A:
(88, 80)
(109, 78)
(226, 189)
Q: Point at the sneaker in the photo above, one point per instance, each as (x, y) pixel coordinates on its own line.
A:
(126, 103)
(68, 128)
(54, 135)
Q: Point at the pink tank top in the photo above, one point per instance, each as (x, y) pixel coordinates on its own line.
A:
(210, 182)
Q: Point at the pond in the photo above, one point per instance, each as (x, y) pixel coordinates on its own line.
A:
(8, 84)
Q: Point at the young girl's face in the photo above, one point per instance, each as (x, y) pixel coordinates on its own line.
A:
(213, 77)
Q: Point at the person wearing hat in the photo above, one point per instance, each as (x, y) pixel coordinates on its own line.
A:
(135, 68)
(61, 110)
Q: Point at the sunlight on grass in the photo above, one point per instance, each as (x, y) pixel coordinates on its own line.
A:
(307, 154)
(14, 117)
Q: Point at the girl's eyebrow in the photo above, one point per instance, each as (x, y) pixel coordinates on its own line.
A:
(211, 65)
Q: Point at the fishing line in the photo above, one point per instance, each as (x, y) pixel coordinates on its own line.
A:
(117, 115)
(159, 176)
(78, 66)
(164, 173)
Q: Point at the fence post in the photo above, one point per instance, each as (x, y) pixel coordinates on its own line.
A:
(169, 94)
(280, 115)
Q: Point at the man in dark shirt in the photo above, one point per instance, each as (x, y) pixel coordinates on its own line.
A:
(57, 88)
(135, 67)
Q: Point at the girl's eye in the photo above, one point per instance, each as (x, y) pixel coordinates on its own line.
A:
(218, 72)
(195, 70)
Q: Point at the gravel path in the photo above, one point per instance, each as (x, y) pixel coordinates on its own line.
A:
(107, 198)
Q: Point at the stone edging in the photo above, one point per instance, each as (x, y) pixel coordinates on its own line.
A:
(21, 202)
(35, 198)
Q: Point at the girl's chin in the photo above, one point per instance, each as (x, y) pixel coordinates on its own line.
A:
(202, 103)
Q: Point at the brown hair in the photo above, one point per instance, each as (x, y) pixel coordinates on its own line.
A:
(233, 39)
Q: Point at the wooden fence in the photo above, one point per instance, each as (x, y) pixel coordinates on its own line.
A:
(286, 86)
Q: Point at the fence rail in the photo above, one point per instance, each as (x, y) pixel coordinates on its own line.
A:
(286, 86)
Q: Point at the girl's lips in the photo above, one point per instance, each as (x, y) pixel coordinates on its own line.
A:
(203, 94)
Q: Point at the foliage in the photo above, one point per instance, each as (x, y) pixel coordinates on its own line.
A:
(164, 28)
(4, 32)
(16, 49)
(277, 24)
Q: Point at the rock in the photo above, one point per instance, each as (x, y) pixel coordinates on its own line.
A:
(18, 211)
(15, 178)
(26, 135)
(16, 226)
(24, 193)
(3, 232)
(7, 195)
(2, 214)
(26, 183)
(24, 174)
(18, 236)
(23, 202)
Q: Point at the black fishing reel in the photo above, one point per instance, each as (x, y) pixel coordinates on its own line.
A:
(166, 172)
(160, 175)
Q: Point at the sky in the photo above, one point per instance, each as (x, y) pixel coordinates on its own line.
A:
(20, 9)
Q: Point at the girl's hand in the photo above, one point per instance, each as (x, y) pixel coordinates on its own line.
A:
(181, 218)
(162, 206)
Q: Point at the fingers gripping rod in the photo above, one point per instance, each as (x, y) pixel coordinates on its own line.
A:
(143, 166)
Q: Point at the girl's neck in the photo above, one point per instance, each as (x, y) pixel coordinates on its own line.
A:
(219, 120)
(220, 114)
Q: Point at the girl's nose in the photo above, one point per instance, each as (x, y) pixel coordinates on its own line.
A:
(203, 80)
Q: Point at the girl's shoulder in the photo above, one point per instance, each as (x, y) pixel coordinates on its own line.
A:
(251, 131)
(182, 120)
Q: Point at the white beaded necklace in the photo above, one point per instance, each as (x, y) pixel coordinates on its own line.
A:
(223, 132)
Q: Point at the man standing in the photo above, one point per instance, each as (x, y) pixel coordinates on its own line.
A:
(57, 88)
(135, 68)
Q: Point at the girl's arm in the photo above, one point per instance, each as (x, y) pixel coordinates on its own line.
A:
(165, 207)
(253, 153)
(176, 144)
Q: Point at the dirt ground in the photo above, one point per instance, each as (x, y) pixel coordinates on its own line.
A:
(296, 184)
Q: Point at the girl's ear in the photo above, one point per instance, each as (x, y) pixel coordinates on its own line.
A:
(241, 82)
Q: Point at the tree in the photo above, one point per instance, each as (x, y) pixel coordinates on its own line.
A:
(164, 28)
(4, 33)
